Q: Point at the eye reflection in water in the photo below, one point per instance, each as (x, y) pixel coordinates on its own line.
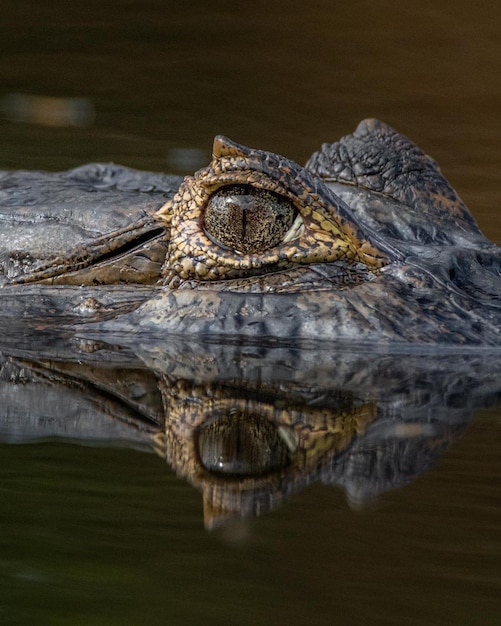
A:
(248, 449)
(240, 445)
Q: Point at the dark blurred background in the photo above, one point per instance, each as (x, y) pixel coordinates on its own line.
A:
(148, 83)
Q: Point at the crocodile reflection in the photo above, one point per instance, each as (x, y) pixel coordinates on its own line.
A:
(249, 436)
(246, 451)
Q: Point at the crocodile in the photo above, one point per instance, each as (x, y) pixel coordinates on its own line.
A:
(368, 242)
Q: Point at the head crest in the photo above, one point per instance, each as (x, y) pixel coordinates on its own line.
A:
(226, 147)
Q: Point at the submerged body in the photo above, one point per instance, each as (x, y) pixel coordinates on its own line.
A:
(368, 242)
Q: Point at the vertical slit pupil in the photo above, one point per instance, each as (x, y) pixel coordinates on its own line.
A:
(248, 219)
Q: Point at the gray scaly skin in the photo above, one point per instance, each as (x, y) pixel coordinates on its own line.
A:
(371, 244)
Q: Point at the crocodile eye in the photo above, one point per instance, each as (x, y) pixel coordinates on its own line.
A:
(242, 444)
(247, 219)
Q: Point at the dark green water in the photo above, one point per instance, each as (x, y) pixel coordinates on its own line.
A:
(106, 535)
(99, 536)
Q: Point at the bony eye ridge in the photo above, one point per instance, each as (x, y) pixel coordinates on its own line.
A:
(247, 219)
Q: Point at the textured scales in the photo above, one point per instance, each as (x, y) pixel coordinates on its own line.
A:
(91, 225)
(329, 232)
(101, 263)
(376, 159)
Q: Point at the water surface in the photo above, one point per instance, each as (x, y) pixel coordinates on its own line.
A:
(95, 528)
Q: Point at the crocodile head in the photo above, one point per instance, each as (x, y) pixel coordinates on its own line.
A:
(367, 242)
